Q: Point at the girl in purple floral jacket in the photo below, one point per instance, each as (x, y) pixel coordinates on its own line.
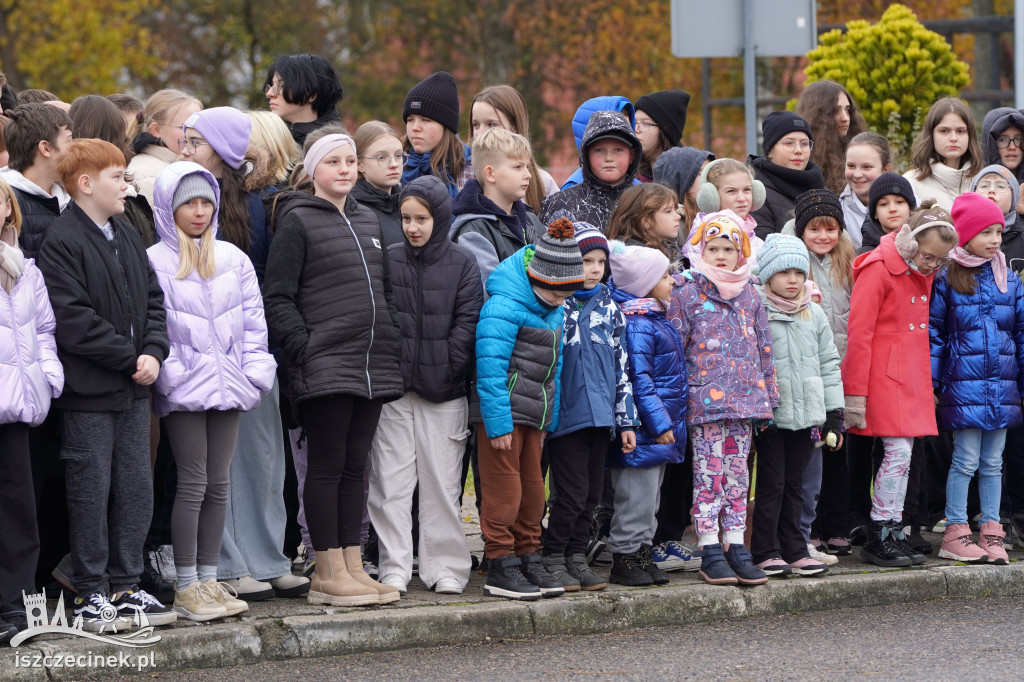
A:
(731, 377)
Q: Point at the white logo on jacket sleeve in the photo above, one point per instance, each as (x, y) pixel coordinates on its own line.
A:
(376, 242)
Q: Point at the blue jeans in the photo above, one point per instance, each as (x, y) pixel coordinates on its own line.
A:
(975, 450)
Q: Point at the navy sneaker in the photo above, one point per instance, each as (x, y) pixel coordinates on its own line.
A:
(97, 614)
(134, 601)
(742, 564)
(714, 569)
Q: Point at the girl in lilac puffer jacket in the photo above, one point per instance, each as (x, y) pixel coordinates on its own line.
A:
(218, 365)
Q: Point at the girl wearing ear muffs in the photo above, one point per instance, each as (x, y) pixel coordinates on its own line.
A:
(726, 184)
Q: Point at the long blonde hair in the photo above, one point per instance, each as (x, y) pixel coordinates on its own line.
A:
(269, 132)
(192, 258)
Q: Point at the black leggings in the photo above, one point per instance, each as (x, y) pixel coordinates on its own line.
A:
(339, 430)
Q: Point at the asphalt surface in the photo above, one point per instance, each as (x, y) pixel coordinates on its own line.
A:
(948, 639)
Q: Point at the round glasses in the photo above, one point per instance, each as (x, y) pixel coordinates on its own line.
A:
(192, 144)
(791, 145)
(384, 160)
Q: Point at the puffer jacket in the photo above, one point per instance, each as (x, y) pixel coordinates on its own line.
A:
(997, 121)
(596, 391)
(385, 206)
(835, 299)
(807, 367)
(977, 351)
(518, 352)
(782, 186)
(593, 201)
(729, 364)
(38, 209)
(582, 117)
(329, 302)
(438, 295)
(656, 358)
(218, 335)
(30, 373)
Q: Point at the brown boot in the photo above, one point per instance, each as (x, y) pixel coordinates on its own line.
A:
(333, 586)
(354, 562)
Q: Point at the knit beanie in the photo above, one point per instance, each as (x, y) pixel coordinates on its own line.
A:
(192, 186)
(636, 269)
(973, 213)
(782, 252)
(778, 124)
(890, 183)
(1007, 175)
(435, 97)
(668, 109)
(226, 129)
(817, 203)
(590, 238)
(557, 263)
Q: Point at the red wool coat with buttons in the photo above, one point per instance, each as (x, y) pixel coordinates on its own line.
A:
(887, 357)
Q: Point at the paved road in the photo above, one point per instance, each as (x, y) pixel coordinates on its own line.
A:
(941, 640)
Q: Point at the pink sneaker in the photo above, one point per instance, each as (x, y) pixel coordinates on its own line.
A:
(957, 545)
(991, 542)
(775, 568)
(808, 567)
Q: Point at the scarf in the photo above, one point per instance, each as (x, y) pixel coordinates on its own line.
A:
(586, 294)
(419, 165)
(789, 182)
(789, 306)
(641, 306)
(729, 283)
(12, 260)
(969, 260)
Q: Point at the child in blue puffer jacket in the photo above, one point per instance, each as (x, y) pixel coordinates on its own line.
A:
(641, 285)
(977, 346)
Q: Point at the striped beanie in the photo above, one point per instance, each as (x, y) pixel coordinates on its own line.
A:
(557, 263)
(590, 238)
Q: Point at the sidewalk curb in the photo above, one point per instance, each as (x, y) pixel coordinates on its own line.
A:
(336, 634)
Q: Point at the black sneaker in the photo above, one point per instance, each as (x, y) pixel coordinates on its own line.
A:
(659, 576)
(579, 568)
(537, 574)
(7, 631)
(903, 542)
(152, 579)
(882, 549)
(97, 614)
(19, 620)
(918, 542)
(860, 534)
(556, 565)
(742, 564)
(505, 579)
(628, 569)
(135, 601)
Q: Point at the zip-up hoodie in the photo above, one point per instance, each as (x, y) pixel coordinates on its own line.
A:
(593, 201)
(218, 357)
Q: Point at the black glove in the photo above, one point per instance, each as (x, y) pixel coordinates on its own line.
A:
(833, 427)
(765, 427)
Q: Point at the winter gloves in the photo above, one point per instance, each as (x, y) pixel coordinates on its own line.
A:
(832, 431)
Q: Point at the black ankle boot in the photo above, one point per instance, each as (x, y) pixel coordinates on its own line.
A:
(903, 542)
(881, 547)
(628, 569)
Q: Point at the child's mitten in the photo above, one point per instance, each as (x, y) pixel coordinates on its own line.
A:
(856, 411)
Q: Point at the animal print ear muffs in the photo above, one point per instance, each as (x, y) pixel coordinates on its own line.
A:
(722, 224)
(708, 200)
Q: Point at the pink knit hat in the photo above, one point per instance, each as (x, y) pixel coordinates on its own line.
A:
(636, 269)
(974, 213)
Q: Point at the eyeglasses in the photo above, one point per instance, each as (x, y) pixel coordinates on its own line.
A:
(1003, 141)
(275, 88)
(990, 186)
(644, 126)
(193, 144)
(384, 160)
(791, 145)
(929, 259)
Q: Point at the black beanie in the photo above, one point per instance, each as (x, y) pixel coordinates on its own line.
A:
(817, 203)
(668, 109)
(435, 97)
(890, 183)
(778, 124)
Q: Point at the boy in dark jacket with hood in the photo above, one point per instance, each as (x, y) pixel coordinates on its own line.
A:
(111, 339)
(609, 156)
(421, 437)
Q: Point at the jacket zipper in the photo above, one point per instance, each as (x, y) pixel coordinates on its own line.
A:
(15, 327)
(213, 338)
(373, 305)
(419, 319)
(554, 361)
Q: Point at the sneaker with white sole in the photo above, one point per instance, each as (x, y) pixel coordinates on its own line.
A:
(685, 552)
(249, 589)
(227, 598)
(448, 585)
(133, 603)
(97, 614)
(821, 557)
(396, 582)
(665, 561)
(808, 567)
(198, 603)
(289, 585)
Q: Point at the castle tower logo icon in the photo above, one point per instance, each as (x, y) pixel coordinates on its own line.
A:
(111, 623)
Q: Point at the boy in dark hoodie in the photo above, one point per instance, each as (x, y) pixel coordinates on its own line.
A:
(491, 219)
(609, 156)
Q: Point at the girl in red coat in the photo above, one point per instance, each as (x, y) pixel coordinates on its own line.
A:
(887, 371)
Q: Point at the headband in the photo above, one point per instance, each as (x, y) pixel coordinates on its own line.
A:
(322, 147)
(932, 223)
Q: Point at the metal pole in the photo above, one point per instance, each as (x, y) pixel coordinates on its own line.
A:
(750, 76)
(1018, 53)
(705, 97)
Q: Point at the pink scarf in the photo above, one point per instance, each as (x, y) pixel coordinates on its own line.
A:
(729, 283)
(969, 260)
(789, 306)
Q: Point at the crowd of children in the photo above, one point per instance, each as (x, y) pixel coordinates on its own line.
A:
(194, 302)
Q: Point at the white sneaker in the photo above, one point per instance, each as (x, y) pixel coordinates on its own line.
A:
(448, 585)
(396, 582)
(249, 589)
(821, 557)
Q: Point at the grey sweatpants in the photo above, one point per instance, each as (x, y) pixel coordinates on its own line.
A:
(203, 444)
(637, 496)
(109, 493)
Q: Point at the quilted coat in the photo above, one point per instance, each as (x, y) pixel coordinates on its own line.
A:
(659, 386)
(887, 354)
(218, 334)
(977, 346)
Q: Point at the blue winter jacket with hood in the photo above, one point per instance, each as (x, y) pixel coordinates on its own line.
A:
(582, 117)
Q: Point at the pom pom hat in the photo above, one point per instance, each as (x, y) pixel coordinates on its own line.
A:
(557, 263)
(636, 269)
